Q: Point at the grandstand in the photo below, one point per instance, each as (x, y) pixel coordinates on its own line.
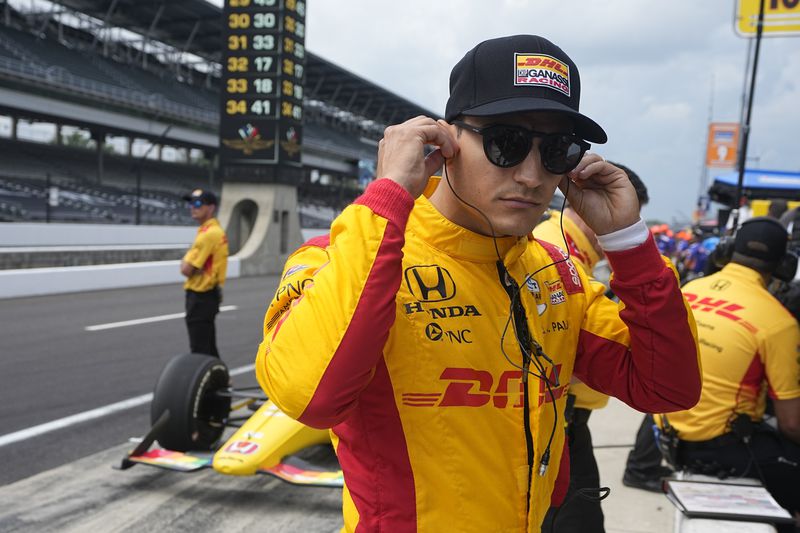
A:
(133, 77)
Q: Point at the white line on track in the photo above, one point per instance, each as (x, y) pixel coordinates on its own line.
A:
(85, 416)
(149, 319)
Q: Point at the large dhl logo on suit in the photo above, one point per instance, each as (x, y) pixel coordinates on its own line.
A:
(470, 387)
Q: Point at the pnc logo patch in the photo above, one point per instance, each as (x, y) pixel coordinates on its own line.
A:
(433, 331)
(436, 333)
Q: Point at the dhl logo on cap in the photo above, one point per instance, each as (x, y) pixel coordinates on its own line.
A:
(542, 71)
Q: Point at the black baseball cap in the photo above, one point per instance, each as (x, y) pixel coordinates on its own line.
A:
(761, 238)
(517, 74)
(206, 197)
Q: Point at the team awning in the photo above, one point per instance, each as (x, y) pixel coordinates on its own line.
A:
(758, 184)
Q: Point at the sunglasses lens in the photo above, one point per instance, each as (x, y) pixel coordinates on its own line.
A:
(506, 146)
(196, 203)
(561, 153)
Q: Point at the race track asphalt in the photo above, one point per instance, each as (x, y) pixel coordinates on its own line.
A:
(88, 496)
(52, 368)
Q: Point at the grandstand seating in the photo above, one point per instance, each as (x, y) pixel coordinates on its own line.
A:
(82, 198)
(48, 52)
(23, 180)
(68, 59)
(41, 50)
(148, 82)
(75, 68)
(324, 136)
(24, 199)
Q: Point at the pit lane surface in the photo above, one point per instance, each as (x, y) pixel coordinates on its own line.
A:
(52, 368)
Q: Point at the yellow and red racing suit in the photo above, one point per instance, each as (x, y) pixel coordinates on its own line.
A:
(396, 332)
(749, 344)
(584, 255)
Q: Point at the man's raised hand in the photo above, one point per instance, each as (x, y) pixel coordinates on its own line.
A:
(601, 194)
(401, 152)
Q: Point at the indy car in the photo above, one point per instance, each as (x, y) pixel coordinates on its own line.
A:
(193, 405)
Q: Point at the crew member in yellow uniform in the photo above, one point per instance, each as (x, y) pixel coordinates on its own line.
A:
(749, 347)
(205, 266)
(436, 337)
(568, 231)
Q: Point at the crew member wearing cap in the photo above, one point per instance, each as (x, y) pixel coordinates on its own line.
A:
(749, 349)
(204, 266)
(437, 338)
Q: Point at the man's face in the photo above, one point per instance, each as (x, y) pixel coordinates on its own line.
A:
(513, 198)
(201, 213)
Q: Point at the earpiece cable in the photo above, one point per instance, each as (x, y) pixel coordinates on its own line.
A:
(539, 351)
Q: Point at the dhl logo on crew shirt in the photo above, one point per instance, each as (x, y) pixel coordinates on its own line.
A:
(542, 71)
(719, 307)
(471, 387)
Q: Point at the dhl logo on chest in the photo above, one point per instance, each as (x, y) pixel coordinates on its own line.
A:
(470, 387)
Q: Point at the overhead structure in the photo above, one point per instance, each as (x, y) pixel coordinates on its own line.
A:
(195, 28)
(192, 26)
(757, 185)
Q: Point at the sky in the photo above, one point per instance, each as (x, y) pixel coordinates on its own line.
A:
(653, 73)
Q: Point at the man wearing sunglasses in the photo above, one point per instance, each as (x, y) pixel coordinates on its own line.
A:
(437, 338)
(204, 266)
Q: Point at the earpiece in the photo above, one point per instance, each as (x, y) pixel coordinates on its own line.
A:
(724, 251)
(787, 267)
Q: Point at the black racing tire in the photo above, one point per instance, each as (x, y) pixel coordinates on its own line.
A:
(187, 388)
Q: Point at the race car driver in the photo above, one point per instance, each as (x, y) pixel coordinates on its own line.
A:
(436, 337)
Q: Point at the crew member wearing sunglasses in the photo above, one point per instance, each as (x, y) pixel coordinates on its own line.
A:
(204, 266)
(437, 338)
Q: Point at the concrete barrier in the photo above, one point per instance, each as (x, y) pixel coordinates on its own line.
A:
(14, 257)
(62, 234)
(59, 280)
(41, 281)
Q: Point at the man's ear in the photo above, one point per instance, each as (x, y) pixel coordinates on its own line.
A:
(455, 131)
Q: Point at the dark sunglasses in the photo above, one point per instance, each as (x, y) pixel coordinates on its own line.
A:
(507, 146)
(196, 203)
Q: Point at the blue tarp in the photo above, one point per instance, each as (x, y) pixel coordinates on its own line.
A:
(763, 179)
(757, 184)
